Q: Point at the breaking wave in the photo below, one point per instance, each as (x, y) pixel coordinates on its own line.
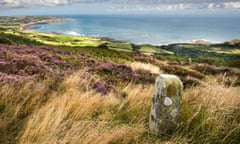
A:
(73, 33)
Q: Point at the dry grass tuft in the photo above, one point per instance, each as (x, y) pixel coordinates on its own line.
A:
(145, 66)
(79, 116)
(211, 114)
(214, 96)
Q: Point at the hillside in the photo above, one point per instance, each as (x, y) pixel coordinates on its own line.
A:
(63, 89)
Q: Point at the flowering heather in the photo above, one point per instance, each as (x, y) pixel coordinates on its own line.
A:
(102, 87)
(143, 58)
(26, 61)
(120, 73)
(211, 69)
(223, 74)
(10, 77)
(22, 61)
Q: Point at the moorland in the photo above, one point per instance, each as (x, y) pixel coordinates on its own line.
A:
(67, 89)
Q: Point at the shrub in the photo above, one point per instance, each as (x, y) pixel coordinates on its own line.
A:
(5, 40)
(233, 63)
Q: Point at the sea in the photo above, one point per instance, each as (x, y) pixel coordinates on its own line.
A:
(149, 29)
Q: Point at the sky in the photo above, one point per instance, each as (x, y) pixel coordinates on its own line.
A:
(48, 7)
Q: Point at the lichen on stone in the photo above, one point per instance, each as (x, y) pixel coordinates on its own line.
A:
(168, 101)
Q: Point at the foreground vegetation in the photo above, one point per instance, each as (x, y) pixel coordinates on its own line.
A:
(33, 112)
(62, 89)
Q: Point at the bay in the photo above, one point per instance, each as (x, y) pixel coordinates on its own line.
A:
(149, 29)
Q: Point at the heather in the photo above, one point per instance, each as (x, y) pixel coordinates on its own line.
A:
(62, 89)
(57, 95)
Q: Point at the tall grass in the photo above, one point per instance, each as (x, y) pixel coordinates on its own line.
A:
(145, 66)
(78, 115)
(75, 113)
(211, 114)
(18, 100)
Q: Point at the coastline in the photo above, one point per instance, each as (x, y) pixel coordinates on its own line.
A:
(116, 33)
(53, 20)
(28, 26)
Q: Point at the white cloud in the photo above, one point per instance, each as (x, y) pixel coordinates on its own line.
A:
(26, 3)
(142, 5)
(232, 4)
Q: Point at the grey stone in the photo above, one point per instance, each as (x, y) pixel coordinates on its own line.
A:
(166, 105)
(189, 61)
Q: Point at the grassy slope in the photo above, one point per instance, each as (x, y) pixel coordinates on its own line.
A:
(64, 102)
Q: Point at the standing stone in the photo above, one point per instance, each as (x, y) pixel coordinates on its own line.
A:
(166, 105)
(189, 61)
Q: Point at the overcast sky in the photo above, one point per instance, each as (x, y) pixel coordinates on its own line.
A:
(42, 7)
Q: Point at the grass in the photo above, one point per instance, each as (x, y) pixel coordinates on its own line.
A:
(74, 112)
(151, 50)
(88, 90)
(77, 115)
(120, 46)
(211, 114)
(217, 54)
(145, 66)
(53, 39)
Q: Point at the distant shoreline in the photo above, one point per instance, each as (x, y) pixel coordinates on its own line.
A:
(29, 26)
(55, 20)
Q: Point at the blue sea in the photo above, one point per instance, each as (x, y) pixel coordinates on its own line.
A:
(149, 29)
